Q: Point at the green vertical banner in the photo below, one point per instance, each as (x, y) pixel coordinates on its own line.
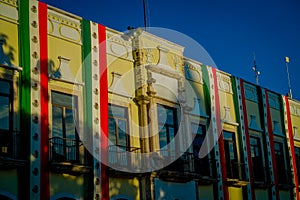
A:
(25, 83)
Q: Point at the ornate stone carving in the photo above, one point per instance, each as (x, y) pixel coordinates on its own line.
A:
(224, 82)
(63, 26)
(192, 71)
(9, 10)
(273, 101)
(250, 92)
(295, 108)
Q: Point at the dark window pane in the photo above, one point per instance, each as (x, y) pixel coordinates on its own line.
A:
(122, 132)
(4, 87)
(163, 141)
(4, 113)
(62, 99)
(70, 124)
(112, 130)
(117, 111)
(57, 124)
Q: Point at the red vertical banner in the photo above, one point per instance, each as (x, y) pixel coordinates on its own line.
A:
(103, 109)
(291, 138)
(271, 139)
(247, 138)
(44, 174)
(220, 139)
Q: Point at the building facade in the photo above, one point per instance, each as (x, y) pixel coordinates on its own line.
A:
(87, 112)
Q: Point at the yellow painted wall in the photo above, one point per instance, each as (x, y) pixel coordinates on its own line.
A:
(59, 47)
(206, 192)
(123, 186)
(235, 193)
(195, 90)
(9, 181)
(64, 183)
(10, 32)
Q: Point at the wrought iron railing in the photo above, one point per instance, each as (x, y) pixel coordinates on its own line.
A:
(10, 144)
(66, 150)
(120, 157)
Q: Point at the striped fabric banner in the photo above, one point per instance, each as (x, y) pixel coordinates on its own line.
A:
(290, 143)
(241, 112)
(103, 108)
(270, 144)
(43, 25)
(96, 101)
(215, 129)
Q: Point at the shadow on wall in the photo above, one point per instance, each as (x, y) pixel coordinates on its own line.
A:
(8, 57)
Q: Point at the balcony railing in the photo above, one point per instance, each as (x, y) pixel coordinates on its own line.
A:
(66, 150)
(10, 144)
(120, 157)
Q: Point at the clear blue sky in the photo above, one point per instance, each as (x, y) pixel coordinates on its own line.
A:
(230, 31)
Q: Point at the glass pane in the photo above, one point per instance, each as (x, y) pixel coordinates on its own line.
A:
(70, 124)
(4, 87)
(112, 130)
(4, 113)
(161, 114)
(163, 137)
(122, 133)
(57, 129)
(227, 135)
(61, 99)
(231, 151)
(117, 111)
(196, 129)
(170, 116)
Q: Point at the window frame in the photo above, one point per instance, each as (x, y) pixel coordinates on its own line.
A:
(127, 135)
(165, 150)
(77, 124)
(262, 158)
(13, 133)
(282, 141)
(231, 173)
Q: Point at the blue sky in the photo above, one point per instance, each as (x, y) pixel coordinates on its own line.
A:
(230, 31)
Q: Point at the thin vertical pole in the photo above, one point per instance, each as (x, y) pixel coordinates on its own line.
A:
(287, 60)
(145, 15)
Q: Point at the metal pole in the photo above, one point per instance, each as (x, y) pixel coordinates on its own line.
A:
(145, 15)
(288, 76)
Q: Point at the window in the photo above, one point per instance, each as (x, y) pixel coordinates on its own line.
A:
(7, 137)
(297, 157)
(118, 136)
(280, 163)
(64, 142)
(5, 105)
(118, 126)
(201, 166)
(167, 126)
(257, 158)
(231, 155)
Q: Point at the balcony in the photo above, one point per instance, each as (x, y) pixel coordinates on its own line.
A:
(68, 156)
(120, 157)
(187, 167)
(10, 149)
